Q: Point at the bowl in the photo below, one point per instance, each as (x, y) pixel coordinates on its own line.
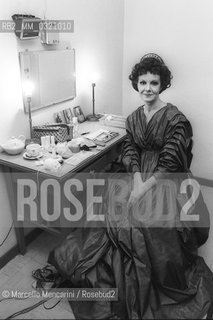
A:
(14, 145)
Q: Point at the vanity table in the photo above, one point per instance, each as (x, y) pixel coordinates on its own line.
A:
(14, 166)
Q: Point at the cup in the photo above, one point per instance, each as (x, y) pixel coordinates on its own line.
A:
(74, 146)
(33, 150)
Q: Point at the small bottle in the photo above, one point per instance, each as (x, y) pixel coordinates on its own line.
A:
(75, 127)
(52, 143)
(47, 143)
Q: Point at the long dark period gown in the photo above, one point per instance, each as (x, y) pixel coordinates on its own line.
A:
(154, 265)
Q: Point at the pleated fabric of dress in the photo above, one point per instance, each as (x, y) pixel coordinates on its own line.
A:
(153, 263)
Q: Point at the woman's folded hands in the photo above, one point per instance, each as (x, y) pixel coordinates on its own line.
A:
(139, 188)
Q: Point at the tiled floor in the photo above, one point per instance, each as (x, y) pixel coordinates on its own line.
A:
(17, 275)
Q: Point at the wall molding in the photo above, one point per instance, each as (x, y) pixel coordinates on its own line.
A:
(204, 182)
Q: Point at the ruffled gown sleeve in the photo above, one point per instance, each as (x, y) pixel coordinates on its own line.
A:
(131, 151)
(175, 154)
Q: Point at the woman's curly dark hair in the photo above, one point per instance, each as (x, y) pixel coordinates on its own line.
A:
(153, 65)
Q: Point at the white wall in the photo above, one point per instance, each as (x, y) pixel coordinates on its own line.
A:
(181, 32)
(98, 41)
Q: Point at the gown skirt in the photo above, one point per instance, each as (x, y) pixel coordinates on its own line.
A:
(145, 251)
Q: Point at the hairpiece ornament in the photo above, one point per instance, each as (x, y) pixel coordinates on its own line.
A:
(152, 55)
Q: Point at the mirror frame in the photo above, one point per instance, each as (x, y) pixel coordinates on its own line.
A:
(61, 84)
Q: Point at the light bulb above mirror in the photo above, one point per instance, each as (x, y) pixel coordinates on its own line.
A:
(28, 88)
(94, 77)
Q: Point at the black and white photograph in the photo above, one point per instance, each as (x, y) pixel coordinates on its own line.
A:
(68, 115)
(59, 117)
(79, 114)
(114, 228)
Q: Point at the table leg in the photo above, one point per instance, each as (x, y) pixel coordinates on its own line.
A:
(19, 229)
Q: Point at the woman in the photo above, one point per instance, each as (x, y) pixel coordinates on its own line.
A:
(150, 255)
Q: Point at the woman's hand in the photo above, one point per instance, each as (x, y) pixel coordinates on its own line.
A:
(139, 188)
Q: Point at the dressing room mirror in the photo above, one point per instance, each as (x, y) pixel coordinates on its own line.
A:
(52, 74)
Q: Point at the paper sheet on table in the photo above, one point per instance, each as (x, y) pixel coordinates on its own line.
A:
(79, 157)
(95, 134)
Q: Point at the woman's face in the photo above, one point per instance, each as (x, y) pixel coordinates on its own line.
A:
(149, 86)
